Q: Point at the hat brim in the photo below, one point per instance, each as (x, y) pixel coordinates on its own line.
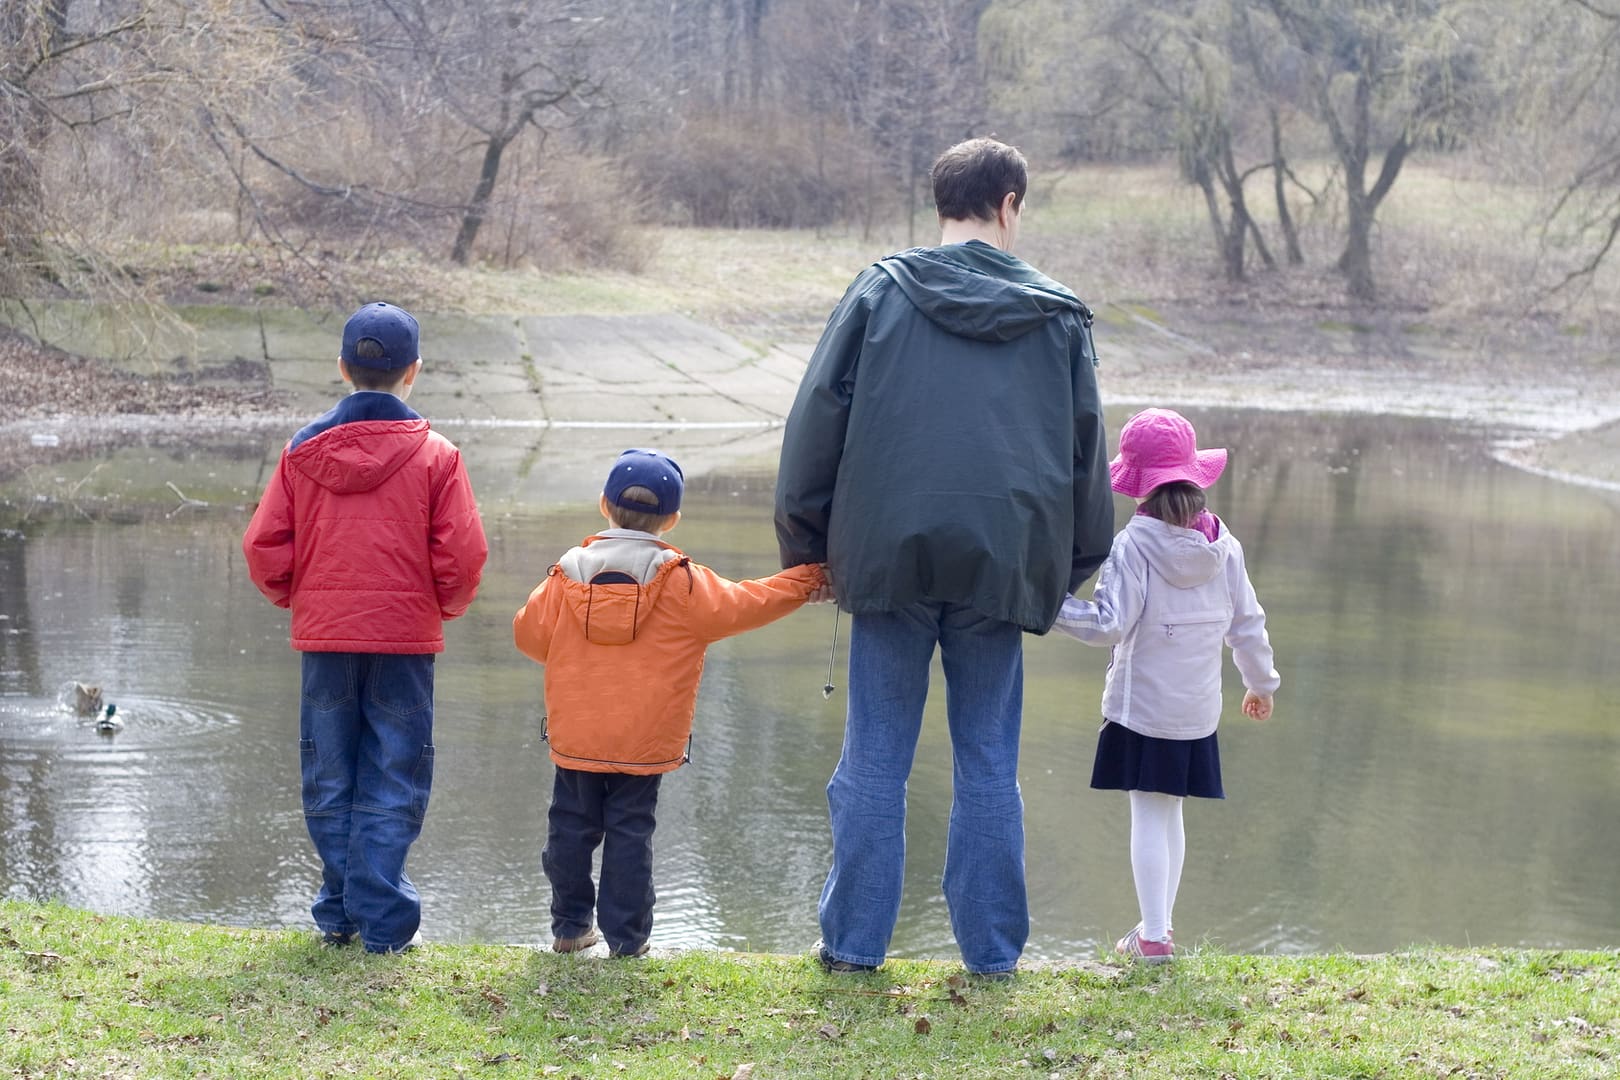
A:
(1138, 482)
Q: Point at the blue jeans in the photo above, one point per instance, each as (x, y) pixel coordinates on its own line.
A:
(889, 655)
(366, 742)
(617, 811)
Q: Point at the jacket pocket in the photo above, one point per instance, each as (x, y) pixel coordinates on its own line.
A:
(422, 783)
(612, 613)
(1169, 620)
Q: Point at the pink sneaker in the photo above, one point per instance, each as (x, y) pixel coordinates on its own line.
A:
(1136, 947)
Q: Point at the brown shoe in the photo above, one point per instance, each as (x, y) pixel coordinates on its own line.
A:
(574, 944)
(630, 954)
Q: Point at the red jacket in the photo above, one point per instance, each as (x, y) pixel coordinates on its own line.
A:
(623, 661)
(368, 531)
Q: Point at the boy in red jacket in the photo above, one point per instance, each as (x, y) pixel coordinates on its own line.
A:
(621, 623)
(368, 531)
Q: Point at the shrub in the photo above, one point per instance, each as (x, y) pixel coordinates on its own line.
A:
(752, 170)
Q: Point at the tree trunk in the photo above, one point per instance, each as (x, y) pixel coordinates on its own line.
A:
(1260, 247)
(1355, 263)
(473, 217)
(1241, 222)
(1218, 225)
(911, 194)
(1279, 172)
(1232, 247)
(1362, 204)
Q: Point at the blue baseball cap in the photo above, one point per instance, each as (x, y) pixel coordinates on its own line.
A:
(393, 328)
(651, 470)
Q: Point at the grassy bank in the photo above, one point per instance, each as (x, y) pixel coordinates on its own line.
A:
(1455, 241)
(87, 995)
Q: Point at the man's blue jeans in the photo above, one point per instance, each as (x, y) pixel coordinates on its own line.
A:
(366, 742)
(889, 657)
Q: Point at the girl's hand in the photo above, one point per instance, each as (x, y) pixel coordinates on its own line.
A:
(1257, 706)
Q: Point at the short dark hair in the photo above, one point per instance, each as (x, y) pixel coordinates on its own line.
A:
(1176, 503)
(639, 520)
(972, 177)
(366, 377)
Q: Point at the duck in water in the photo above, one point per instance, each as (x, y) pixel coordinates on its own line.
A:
(108, 722)
(86, 699)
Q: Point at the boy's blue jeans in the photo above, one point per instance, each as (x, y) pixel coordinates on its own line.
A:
(889, 656)
(366, 743)
(617, 811)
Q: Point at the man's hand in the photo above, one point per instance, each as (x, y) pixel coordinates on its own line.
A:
(823, 593)
(1257, 706)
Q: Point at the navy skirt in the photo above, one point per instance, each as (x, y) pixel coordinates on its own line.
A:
(1129, 761)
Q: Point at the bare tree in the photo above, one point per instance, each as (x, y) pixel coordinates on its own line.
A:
(1064, 84)
(1383, 74)
(719, 52)
(1190, 55)
(32, 41)
(502, 69)
(902, 73)
(1258, 47)
(1575, 59)
(93, 93)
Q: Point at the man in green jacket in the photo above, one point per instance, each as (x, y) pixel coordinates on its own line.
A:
(946, 458)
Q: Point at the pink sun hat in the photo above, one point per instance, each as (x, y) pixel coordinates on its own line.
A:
(1159, 446)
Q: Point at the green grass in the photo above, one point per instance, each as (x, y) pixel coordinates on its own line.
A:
(84, 994)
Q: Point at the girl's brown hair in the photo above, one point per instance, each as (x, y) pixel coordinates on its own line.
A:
(1176, 503)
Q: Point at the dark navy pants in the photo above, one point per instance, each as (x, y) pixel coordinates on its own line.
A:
(366, 745)
(616, 811)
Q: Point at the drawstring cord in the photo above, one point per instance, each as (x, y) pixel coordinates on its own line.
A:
(826, 691)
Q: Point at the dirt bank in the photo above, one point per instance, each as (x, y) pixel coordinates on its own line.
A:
(39, 381)
(90, 404)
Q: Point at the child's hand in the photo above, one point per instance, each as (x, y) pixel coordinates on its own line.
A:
(823, 593)
(1257, 706)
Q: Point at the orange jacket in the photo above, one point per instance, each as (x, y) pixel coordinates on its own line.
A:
(623, 661)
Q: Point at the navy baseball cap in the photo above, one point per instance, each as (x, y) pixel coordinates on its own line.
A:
(393, 328)
(651, 470)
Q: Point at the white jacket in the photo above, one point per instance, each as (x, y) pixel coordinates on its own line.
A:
(1166, 599)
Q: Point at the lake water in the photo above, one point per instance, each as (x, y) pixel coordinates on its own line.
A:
(1443, 766)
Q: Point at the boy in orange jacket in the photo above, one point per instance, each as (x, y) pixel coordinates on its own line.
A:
(621, 624)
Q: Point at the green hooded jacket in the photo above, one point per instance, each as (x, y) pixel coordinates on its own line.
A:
(947, 441)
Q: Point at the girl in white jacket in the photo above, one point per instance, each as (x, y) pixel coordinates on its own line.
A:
(1171, 593)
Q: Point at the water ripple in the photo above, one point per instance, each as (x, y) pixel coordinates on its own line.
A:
(146, 722)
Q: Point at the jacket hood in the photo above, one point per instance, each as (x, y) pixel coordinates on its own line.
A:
(974, 290)
(352, 457)
(1183, 557)
(359, 443)
(613, 581)
(625, 551)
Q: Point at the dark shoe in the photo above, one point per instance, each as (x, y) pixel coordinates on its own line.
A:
(629, 954)
(833, 966)
(992, 976)
(334, 940)
(574, 944)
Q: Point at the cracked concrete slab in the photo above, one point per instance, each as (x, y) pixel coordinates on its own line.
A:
(576, 368)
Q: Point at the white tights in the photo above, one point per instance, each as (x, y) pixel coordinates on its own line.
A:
(1158, 846)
